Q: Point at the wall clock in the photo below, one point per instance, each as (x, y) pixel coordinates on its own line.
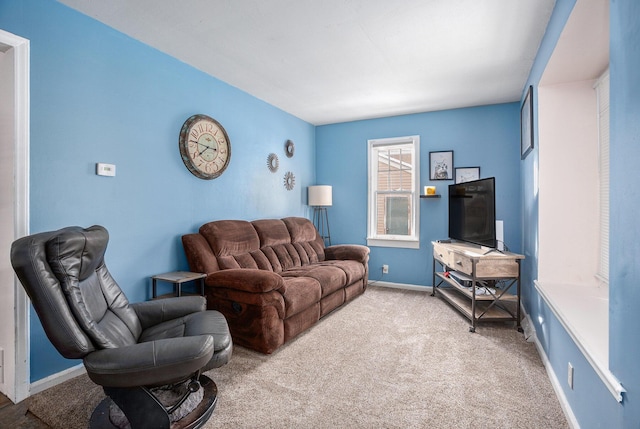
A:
(204, 146)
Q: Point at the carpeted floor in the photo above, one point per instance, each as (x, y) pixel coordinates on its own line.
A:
(390, 359)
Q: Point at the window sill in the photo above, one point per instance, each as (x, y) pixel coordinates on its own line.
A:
(583, 311)
(406, 244)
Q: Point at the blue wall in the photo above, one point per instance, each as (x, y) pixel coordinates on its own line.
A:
(590, 401)
(624, 295)
(100, 96)
(487, 136)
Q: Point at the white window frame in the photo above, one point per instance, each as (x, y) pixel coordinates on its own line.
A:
(411, 241)
(602, 91)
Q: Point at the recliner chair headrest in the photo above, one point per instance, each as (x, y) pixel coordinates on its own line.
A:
(77, 252)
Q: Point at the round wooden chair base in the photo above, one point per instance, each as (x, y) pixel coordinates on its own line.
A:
(195, 419)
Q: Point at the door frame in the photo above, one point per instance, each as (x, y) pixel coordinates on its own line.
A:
(20, 48)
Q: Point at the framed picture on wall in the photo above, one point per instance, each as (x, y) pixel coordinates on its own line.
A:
(526, 124)
(467, 174)
(441, 165)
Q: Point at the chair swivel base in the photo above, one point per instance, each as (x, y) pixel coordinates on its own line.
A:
(100, 419)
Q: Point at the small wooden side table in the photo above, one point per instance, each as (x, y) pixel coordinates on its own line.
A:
(178, 278)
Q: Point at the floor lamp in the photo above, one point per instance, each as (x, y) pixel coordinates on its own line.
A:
(320, 198)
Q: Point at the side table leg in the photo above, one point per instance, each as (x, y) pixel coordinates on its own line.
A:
(433, 278)
(154, 292)
(518, 326)
(201, 281)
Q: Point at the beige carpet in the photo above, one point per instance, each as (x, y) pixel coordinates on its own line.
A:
(389, 359)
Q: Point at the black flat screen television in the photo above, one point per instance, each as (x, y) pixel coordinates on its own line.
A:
(472, 212)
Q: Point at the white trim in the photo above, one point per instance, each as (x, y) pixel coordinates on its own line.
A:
(55, 379)
(406, 244)
(530, 336)
(21, 52)
(605, 75)
(22, 97)
(377, 283)
(580, 336)
(603, 102)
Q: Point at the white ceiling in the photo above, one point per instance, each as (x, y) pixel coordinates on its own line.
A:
(329, 61)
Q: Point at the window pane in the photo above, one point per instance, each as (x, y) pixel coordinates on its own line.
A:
(393, 213)
(394, 168)
(397, 215)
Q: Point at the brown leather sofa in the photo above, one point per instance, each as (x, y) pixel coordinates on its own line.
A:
(273, 278)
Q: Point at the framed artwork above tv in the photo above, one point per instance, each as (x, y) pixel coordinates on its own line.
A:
(467, 174)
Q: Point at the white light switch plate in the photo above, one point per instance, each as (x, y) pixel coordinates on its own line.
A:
(103, 169)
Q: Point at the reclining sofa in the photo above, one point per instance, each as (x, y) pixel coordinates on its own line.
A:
(273, 278)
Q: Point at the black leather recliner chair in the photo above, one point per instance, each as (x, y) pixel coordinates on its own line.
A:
(130, 349)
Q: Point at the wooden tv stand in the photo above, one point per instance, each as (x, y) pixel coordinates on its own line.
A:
(466, 264)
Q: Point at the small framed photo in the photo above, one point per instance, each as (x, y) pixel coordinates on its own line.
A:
(467, 174)
(526, 124)
(441, 165)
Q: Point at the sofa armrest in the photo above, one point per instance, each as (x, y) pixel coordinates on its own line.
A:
(354, 252)
(157, 311)
(200, 257)
(245, 279)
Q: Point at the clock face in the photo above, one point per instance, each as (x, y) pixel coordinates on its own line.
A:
(204, 147)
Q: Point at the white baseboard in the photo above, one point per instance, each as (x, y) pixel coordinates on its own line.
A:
(406, 286)
(531, 336)
(55, 379)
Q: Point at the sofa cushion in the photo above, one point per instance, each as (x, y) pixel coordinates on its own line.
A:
(299, 293)
(271, 232)
(330, 278)
(353, 270)
(300, 229)
(230, 237)
(303, 231)
(308, 253)
(274, 260)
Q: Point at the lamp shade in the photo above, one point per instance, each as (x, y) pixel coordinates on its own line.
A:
(320, 195)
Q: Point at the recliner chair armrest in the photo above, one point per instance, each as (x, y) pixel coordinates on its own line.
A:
(354, 252)
(246, 279)
(154, 363)
(151, 313)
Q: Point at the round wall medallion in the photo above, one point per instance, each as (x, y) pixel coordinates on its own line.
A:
(273, 162)
(289, 148)
(289, 180)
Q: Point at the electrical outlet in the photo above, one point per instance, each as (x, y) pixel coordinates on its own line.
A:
(385, 269)
(570, 375)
